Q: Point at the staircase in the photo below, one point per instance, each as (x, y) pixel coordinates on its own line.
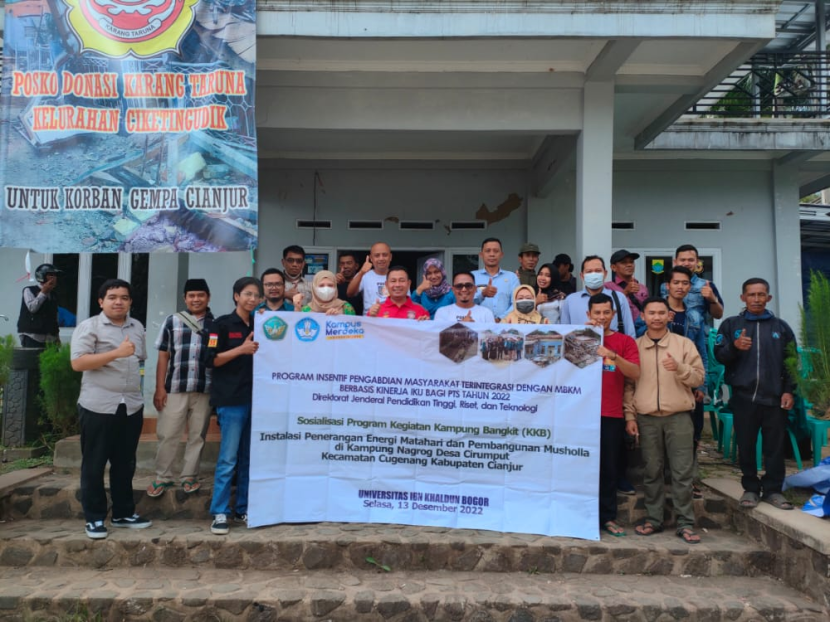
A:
(177, 570)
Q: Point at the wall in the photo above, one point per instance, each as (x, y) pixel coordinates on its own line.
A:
(12, 267)
(660, 196)
(430, 194)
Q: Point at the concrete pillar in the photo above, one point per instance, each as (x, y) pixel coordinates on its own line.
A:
(594, 172)
(166, 276)
(786, 289)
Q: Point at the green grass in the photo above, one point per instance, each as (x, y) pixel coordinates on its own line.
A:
(25, 463)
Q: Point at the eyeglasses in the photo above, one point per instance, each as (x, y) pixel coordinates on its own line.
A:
(293, 260)
(464, 286)
(273, 285)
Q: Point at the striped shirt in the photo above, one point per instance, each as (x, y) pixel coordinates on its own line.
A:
(186, 372)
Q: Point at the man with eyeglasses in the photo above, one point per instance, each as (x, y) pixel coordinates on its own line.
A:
(273, 285)
(464, 309)
(293, 262)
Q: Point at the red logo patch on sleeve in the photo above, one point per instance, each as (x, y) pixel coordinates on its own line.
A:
(234, 335)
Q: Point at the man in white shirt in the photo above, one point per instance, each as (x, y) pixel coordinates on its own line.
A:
(371, 278)
(464, 309)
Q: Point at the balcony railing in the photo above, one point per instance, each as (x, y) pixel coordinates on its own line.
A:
(777, 85)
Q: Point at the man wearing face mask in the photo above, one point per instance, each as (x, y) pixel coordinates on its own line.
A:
(594, 275)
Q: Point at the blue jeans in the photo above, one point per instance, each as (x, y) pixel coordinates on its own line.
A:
(234, 452)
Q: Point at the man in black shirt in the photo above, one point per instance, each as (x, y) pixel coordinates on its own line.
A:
(231, 349)
(347, 267)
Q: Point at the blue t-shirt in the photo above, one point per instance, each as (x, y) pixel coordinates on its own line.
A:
(433, 304)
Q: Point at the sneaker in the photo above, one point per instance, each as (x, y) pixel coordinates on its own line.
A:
(219, 526)
(624, 487)
(96, 530)
(240, 518)
(132, 522)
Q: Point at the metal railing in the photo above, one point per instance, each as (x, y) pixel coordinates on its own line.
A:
(777, 85)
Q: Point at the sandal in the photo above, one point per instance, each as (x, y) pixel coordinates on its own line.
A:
(614, 529)
(749, 500)
(157, 488)
(688, 535)
(191, 485)
(647, 529)
(777, 500)
(697, 493)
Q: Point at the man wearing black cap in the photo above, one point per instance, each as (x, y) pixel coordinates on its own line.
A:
(182, 396)
(566, 280)
(622, 280)
(37, 324)
(528, 260)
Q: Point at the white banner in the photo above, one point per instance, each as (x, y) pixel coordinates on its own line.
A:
(478, 426)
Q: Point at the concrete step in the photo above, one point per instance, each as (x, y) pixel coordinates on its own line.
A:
(68, 452)
(346, 546)
(58, 496)
(201, 594)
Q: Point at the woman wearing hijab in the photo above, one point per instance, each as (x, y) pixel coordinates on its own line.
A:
(550, 297)
(524, 308)
(324, 296)
(435, 290)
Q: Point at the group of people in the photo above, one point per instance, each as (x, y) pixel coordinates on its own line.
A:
(654, 355)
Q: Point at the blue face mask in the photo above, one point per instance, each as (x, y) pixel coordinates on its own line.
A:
(594, 280)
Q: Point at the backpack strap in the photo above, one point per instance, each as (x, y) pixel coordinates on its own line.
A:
(620, 322)
(190, 321)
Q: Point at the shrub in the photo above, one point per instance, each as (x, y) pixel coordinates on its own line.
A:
(60, 386)
(6, 349)
(810, 364)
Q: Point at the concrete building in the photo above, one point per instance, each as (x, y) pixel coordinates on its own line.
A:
(582, 126)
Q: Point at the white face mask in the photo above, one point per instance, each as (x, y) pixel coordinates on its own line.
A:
(325, 293)
(594, 280)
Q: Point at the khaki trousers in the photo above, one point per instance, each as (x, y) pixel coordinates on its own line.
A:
(672, 437)
(190, 410)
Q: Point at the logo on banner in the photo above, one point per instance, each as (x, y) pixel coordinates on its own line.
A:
(275, 329)
(143, 28)
(344, 329)
(307, 329)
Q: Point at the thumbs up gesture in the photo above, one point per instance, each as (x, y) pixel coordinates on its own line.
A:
(669, 364)
(127, 348)
(297, 301)
(743, 342)
(249, 346)
(367, 265)
(373, 310)
(707, 293)
(468, 317)
(489, 291)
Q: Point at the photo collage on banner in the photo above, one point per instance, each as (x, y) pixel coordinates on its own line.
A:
(479, 426)
(128, 126)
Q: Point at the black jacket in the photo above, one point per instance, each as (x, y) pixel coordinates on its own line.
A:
(758, 374)
(45, 321)
(232, 384)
